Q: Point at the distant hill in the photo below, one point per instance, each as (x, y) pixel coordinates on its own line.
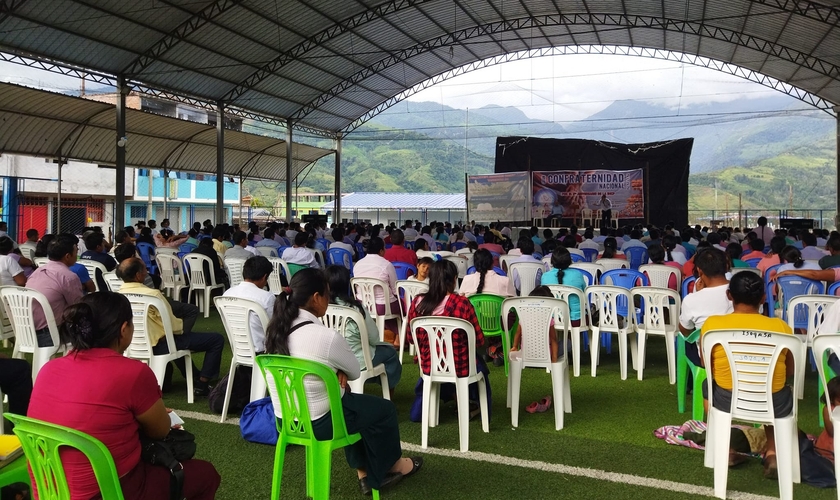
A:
(748, 146)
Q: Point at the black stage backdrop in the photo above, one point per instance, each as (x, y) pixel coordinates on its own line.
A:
(665, 165)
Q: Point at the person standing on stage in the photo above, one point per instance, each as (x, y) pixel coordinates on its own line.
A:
(606, 210)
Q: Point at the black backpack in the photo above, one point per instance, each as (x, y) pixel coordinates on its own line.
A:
(240, 393)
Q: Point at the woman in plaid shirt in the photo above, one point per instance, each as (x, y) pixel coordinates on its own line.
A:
(441, 300)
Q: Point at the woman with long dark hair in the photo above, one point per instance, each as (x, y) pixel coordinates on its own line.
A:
(611, 250)
(562, 274)
(485, 279)
(381, 352)
(441, 300)
(669, 244)
(295, 330)
(791, 259)
(98, 391)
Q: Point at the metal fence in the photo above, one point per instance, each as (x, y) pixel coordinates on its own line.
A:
(71, 215)
(823, 217)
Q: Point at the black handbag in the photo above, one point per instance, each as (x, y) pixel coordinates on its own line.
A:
(169, 452)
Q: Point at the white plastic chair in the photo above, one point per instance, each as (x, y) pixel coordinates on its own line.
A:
(7, 331)
(610, 264)
(141, 346)
(40, 261)
(529, 274)
(505, 261)
(171, 274)
(114, 283)
(319, 257)
(166, 250)
(754, 270)
(198, 281)
(19, 304)
(606, 298)
(655, 301)
(660, 275)
(407, 291)
(337, 318)
(811, 308)
(267, 251)
(564, 292)
(468, 254)
(586, 215)
(275, 281)
(752, 357)
(460, 262)
(535, 315)
(596, 270)
(823, 345)
(236, 316)
(233, 267)
(439, 331)
(365, 289)
(95, 269)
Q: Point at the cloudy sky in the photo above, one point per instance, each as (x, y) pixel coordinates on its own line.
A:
(577, 86)
(568, 86)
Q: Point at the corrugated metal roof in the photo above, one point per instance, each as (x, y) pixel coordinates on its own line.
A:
(40, 123)
(405, 201)
(305, 55)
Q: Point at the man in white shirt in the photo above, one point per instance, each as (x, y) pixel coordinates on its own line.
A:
(268, 239)
(374, 265)
(634, 241)
(709, 296)
(338, 237)
(409, 231)
(299, 254)
(240, 249)
(606, 210)
(292, 232)
(255, 273)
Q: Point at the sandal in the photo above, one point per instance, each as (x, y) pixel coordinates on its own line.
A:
(540, 406)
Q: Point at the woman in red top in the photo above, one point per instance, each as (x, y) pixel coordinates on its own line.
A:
(98, 391)
(441, 300)
(491, 243)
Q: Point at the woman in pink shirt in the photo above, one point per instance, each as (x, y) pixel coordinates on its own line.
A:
(491, 244)
(98, 391)
(485, 279)
(777, 244)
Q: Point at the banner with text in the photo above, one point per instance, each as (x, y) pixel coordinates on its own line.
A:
(564, 193)
(498, 197)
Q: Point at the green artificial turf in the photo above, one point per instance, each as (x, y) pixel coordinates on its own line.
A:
(610, 429)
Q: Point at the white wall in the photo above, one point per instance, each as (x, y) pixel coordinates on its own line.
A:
(78, 178)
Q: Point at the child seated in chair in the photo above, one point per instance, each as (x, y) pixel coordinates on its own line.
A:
(540, 291)
(422, 270)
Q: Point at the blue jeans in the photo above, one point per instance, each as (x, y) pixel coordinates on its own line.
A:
(387, 355)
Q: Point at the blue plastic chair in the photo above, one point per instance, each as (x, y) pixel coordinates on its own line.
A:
(577, 258)
(360, 249)
(499, 271)
(590, 280)
(458, 245)
(832, 288)
(789, 287)
(625, 278)
(147, 255)
(323, 242)
(752, 262)
(637, 256)
(479, 239)
(409, 245)
(403, 269)
(538, 256)
(186, 247)
(496, 256)
(590, 253)
(340, 257)
(687, 286)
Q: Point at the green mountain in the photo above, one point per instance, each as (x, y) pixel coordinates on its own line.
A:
(741, 147)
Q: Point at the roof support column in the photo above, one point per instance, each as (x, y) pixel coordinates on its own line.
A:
(337, 202)
(119, 199)
(837, 180)
(288, 171)
(220, 162)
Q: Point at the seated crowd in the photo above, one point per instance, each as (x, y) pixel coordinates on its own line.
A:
(452, 262)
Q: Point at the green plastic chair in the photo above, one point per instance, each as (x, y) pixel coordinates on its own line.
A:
(288, 374)
(15, 472)
(488, 310)
(41, 443)
(294, 268)
(698, 375)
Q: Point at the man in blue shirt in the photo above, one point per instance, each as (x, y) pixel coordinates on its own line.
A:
(96, 251)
